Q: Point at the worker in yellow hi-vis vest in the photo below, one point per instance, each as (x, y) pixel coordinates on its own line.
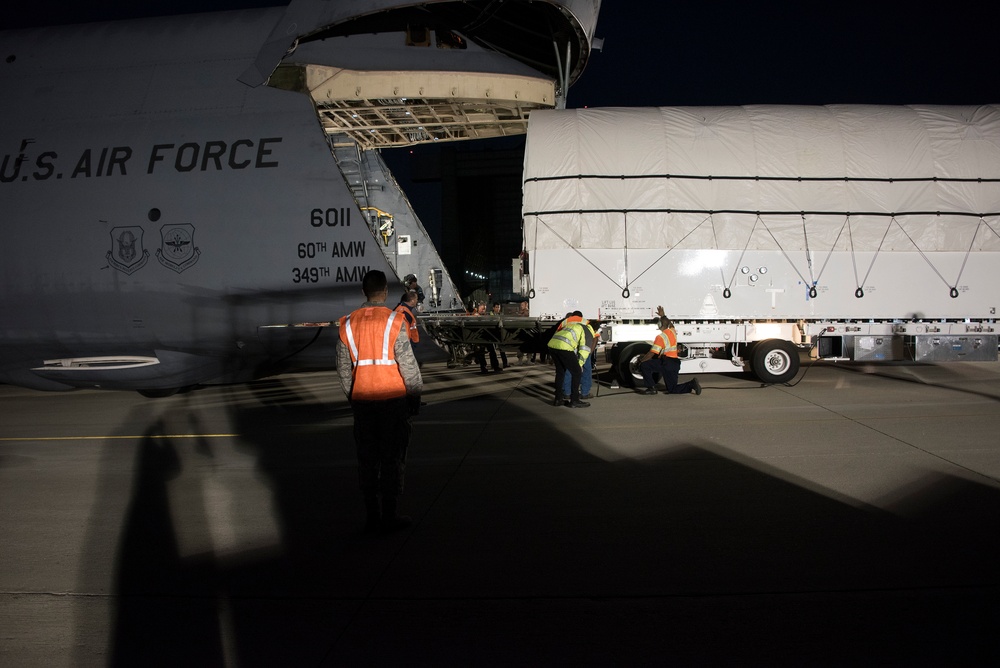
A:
(570, 348)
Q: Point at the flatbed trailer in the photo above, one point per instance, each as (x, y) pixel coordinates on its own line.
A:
(460, 335)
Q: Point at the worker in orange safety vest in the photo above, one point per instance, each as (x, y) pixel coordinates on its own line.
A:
(407, 306)
(380, 376)
(662, 359)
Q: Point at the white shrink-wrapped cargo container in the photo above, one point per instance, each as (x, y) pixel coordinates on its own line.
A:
(873, 231)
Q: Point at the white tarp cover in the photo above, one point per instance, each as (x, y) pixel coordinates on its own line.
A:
(639, 178)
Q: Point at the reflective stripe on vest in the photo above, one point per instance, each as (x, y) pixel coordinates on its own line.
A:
(384, 360)
(411, 322)
(567, 338)
(669, 347)
(585, 350)
(371, 338)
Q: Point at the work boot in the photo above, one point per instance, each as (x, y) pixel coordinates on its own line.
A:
(390, 520)
(373, 514)
(696, 385)
(579, 404)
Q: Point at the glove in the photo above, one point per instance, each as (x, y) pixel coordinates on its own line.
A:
(413, 403)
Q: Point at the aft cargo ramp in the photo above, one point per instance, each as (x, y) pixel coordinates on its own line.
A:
(764, 211)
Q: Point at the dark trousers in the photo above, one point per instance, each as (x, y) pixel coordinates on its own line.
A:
(566, 362)
(586, 377)
(492, 350)
(382, 434)
(668, 368)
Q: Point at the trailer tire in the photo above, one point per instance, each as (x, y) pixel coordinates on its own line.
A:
(627, 363)
(774, 361)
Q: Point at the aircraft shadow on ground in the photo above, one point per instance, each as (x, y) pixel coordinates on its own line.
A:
(705, 547)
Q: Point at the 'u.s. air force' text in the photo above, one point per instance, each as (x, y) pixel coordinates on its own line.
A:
(117, 160)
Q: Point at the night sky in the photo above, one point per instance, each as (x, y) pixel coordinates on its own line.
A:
(702, 53)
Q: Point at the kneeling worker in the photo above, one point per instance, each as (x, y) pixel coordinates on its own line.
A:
(570, 348)
(662, 358)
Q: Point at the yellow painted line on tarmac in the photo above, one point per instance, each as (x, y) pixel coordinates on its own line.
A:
(104, 438)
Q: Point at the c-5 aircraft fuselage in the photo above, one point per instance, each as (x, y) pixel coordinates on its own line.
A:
(150, 240)
(165, 223)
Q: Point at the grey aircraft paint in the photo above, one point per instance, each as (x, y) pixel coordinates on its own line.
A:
(164, 222)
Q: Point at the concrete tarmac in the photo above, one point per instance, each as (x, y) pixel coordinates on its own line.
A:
(850, 518)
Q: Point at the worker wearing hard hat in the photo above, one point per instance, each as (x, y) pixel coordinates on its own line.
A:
(662, 358)
(570, 348)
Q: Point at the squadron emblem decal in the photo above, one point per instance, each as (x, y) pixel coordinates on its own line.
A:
(177, 250)
(127, 254)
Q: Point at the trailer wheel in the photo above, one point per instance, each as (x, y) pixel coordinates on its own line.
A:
(628, 363)
(775, 361)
